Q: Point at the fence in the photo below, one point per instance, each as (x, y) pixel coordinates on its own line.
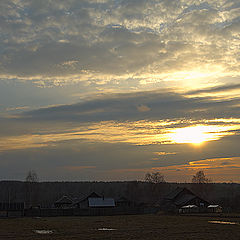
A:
(54, 212)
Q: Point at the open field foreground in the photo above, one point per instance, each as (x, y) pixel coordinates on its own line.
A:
(119, 227)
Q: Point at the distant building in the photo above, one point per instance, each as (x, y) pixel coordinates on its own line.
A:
(94, 200)
(189, 209)
(180, 197)
(124, 202)
(214, 209)
(64, 202)
(101, 202)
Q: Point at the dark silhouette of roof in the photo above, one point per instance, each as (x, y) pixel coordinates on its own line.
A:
(64, 200)
(177, 192)
(184, 199)
(182, 196)
(91, 195)
(173, 194)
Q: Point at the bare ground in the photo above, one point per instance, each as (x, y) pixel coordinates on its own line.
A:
(136, 227)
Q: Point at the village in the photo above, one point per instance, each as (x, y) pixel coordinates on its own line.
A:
(118, 210)
(179, 201)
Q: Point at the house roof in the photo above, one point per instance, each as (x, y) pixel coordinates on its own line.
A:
(91, 195)
(184, 199)
(64, 200)
(174, 194)
(214, 206)
(101, 202)
(189, 206)
(181, 196)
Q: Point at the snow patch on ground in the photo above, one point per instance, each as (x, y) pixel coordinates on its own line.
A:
(222, 222)
(106, 229)
(43, 231)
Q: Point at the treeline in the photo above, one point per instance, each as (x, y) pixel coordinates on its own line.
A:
(44, 194)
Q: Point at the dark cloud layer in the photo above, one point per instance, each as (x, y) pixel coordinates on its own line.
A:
(123, 107)
(216, 89)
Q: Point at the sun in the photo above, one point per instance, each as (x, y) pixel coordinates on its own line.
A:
(196, 135)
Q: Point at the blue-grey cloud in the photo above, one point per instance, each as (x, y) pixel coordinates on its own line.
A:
(161, 105)
(216, 89)
(65, 41)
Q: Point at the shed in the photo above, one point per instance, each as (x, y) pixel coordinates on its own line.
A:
(83, 202)
(189, 209)
(124, 202)
(63, 202)
(214, 208)
(183, 197)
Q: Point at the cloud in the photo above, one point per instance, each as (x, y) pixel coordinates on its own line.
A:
(17, 108)
(143, 108)
(218, 89)
(107, 40)
(226, 169)
(130, 106)
(161, 118)
(88, 72)
(165, 153)
(78, 168)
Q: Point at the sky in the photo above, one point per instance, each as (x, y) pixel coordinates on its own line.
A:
(108, 90)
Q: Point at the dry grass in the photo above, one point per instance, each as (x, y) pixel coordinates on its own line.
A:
(127, 227)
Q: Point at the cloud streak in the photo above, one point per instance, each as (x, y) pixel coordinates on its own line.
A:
(140, 106)
(163, 118)
(223, 168)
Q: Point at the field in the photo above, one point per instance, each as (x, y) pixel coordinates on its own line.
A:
(120, 227)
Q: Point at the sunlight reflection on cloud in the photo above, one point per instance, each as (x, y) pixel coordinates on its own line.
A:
(136, 133)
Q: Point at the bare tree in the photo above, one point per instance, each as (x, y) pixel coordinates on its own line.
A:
(31, 183)
(154, 177)
(201, 184)
(31, 177)
(200, 177)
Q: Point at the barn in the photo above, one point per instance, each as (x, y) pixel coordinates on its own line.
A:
(64, 202)
(181, 197)
(94, 200)
(214, 208)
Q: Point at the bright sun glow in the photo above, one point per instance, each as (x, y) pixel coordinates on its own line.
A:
(195, 135)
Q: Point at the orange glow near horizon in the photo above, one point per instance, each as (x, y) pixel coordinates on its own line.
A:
(135, 133)
(198, 134)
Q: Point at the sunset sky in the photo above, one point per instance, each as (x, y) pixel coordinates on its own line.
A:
(113, 89)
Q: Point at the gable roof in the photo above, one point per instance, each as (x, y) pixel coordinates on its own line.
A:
(91, 195)
(182, 196)
(64, 200)
(101, 202)
(176, 192)
(94, 195)
(184, 199)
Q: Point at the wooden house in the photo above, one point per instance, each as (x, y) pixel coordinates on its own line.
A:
(64, 202)
(189, 209)
(124, 202)
(94, 200)
(180, 197)
(214, 208)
